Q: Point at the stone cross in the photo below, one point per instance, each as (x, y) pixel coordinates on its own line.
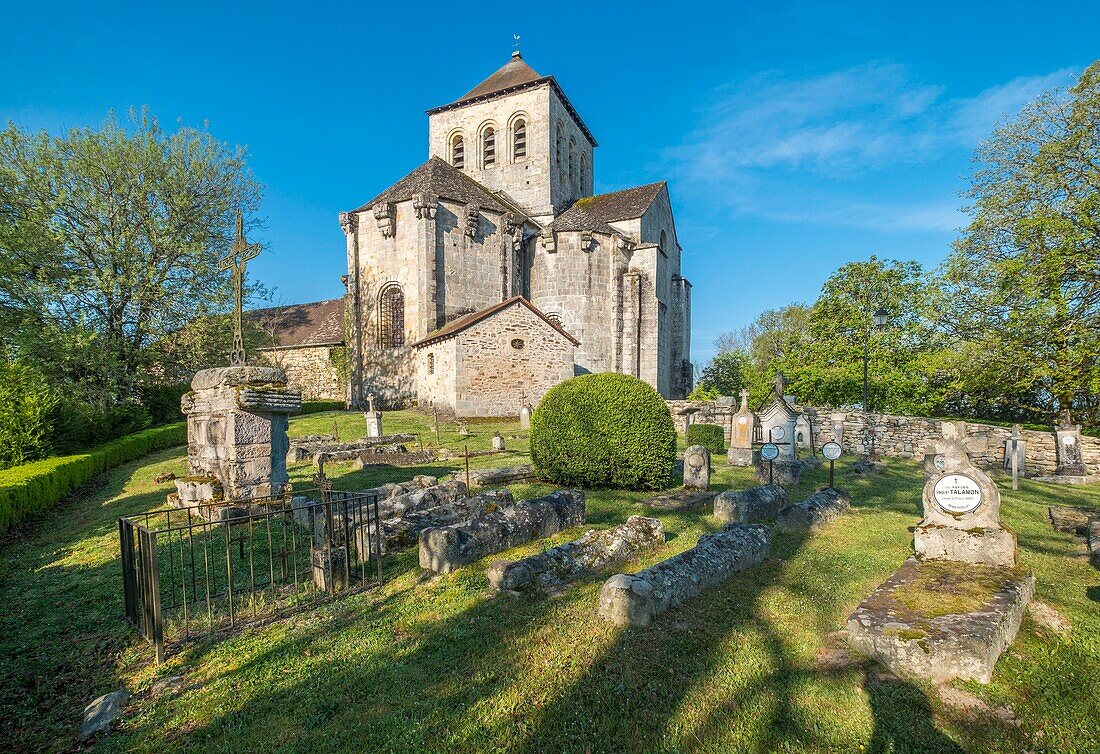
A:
(239, 254)
(744, 398)
(370, 402)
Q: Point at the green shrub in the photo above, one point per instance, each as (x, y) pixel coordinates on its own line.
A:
(710, 436)
(33, 487)
(77, 425)
(316, 407)
(26, 402)
(604, 430)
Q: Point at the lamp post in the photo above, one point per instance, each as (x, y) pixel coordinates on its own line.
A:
(878, 319)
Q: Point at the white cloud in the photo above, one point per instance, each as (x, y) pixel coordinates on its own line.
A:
(802, 150)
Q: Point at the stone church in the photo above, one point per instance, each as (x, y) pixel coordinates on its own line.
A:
(502, 215)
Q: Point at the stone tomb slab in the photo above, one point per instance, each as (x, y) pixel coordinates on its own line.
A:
(819, 509)
(680, 500)
(750, 506)
(942, 620)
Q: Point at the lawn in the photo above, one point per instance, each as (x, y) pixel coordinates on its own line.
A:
(438, 665)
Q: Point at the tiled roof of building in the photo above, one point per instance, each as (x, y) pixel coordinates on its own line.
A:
(511, 77)
(298, 325)
(456, 326)
(596, 212)
(443, 180)
(514, 73)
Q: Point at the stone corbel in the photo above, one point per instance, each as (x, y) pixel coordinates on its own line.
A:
(349, 222)
(386, 215)
(588, 243)
(549, 243)
(508, 223)
(517, 238)
(424, 204)
(473, 213)
(626, 245)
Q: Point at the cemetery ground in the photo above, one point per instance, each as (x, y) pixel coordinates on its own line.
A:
(437, 664)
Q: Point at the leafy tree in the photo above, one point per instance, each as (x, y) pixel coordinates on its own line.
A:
(109, 241)
(25, 404)
(725, 374)
(1023, 281)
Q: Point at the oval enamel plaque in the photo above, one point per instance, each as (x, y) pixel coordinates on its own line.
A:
(769, 451)
(956, 493)
(831, 450)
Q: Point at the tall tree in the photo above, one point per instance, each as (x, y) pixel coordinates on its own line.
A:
(110, 240)
(1024, 278)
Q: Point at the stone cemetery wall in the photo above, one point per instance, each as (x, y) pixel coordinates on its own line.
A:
(635, 599)
(906, 436)
(821, 508)
(750, 506)
(311, 370)
(446, 548)
(553, 569)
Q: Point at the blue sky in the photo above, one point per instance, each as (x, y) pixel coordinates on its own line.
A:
(794, 136)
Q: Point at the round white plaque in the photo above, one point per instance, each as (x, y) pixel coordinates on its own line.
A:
(1069, 440)
(957, 493)
(743, 420)
(769, 451)
(778, 433)
(831, 451)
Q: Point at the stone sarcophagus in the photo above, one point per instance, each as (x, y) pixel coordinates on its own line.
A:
(237, 434)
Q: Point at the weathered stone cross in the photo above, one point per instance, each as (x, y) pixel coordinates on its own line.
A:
(236, 260)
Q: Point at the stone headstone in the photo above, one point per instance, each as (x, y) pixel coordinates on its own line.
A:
(237, 419)
(525, 417)
(1021, 455)
(498, 442)
(838, 418)
(741, 434)
(374, 423)
(962, 511)
(697, 468)
(1071, 462)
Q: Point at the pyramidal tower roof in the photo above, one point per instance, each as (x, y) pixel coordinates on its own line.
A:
(514, 73)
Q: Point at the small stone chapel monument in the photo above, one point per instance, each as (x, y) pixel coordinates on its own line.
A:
(960, 548)
(237, 420)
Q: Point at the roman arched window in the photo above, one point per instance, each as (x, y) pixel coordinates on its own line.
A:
(560, 151)
(572, 161)
(519, 140)
(391, 317)
(488, 147)
(458, 151)
(584, 170)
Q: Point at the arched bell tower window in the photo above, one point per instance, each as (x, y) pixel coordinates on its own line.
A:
(584, 171)
(391, 317)
(519, 140)
(559, 150)
(458, 151)
(572, 161)
(489, 147)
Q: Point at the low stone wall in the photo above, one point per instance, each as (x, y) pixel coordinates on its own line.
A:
(404, 531)
(750, 506)
(905, 436)
(635, 599)
(446, 548)
(821, 508)
(502, 475)
(553, 569)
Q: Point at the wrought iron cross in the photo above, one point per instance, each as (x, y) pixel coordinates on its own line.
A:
(239, 254)
(516, 37)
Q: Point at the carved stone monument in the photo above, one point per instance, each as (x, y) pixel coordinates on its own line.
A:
(374, 419)
(697, 468)
(962, 512)
(525, 417)
(741, 434)
(1071, 462)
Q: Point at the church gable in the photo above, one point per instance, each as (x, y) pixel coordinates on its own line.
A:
(596, 213)
(438, 179)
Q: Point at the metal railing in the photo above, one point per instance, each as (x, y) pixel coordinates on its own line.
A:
(199, 570)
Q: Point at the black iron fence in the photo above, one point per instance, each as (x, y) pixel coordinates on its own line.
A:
(198, 570)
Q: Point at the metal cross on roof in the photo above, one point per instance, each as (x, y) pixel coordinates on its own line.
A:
(239, 254)
(516, 44)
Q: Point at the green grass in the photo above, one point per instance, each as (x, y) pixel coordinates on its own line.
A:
(437, 665)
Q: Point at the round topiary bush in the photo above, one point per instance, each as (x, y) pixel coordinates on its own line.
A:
(710, 436)
(604, 430)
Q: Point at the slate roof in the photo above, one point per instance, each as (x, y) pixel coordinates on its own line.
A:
(513, 76)
(299, 325)
(438, 177)
(456, 326)
(596, 212)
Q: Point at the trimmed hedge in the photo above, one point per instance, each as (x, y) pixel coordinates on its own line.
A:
(316, 407)
(604, 431)
(710, 436)
(33, 487)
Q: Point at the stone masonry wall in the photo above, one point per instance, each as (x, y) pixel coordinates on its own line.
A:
(907, 436)
(492, 375)
(312, 371)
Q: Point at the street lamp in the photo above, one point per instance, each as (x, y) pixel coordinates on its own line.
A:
(878, 319)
